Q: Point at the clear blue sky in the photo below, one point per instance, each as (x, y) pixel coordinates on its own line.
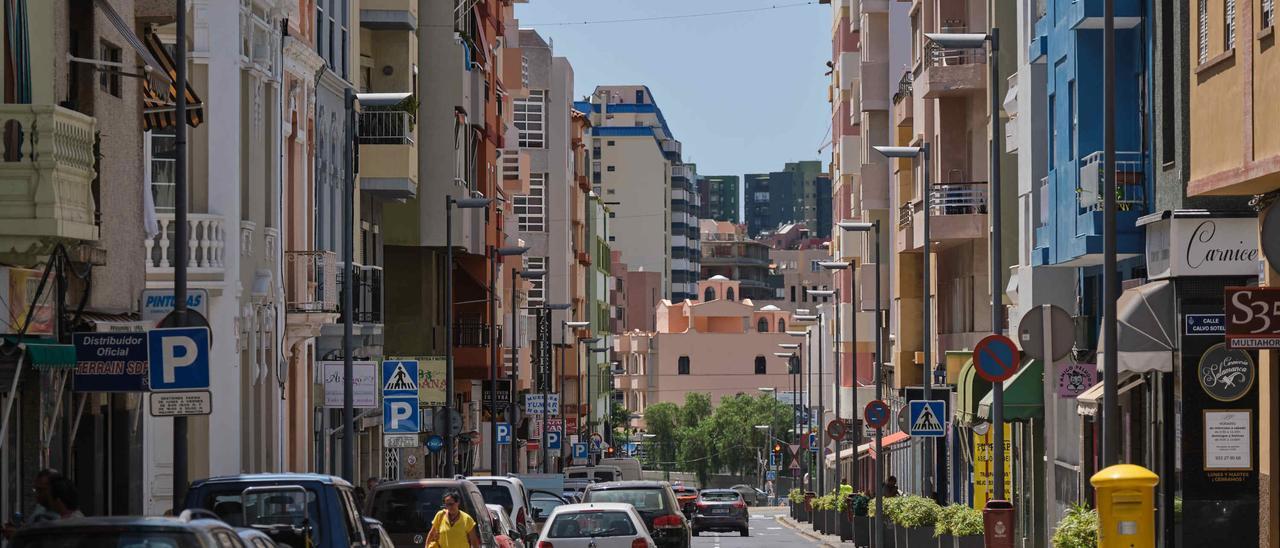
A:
(744, 92)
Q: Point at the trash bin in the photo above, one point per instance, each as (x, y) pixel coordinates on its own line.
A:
(998, 523)
(1126, 505)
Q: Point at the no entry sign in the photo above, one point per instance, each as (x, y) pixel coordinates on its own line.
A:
(996, 358)
(876, 414)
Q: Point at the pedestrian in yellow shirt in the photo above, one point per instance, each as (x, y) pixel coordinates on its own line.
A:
(453, 528)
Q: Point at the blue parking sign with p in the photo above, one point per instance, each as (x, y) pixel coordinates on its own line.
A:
(553, 439)
(400, 415)
(179, 358)
(504, 433)
(580, 451)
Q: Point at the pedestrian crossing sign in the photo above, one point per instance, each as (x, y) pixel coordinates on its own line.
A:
(928, 418)
(399, 377)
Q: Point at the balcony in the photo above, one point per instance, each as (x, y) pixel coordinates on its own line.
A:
(958, 211)
(366, 299)
(388, 154)
(671, 146)
(681, 171)
(46, 180)
(903, 105)
(389, 14)
(952, 73)
(1130, 190)
(908, 237)
(471, 333)
(206, 242)
(311, 281)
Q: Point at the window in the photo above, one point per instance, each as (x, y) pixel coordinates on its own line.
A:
(530, 119)
(1229, 23)
(728, 294)
(793, 293)
(109, 77)
(611, 168)
(1075, 122)
(761, 369)
(709, 294)
(682, 368)
(610, 143)
(782, 325)
(537, 293)
(163, 157)
(530, 208)
(1204, 30)
(762, 325)
(639, 97)
(1268, 13)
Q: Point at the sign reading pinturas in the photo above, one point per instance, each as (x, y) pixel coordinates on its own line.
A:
(1253, 317)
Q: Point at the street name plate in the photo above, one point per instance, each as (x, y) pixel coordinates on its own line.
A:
(402, 441)
(181, 404)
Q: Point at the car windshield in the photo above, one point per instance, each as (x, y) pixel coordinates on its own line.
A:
(645, 499)
(283, 507)
(604, 475)
(720, 496)
(63, 537)
(592, 523)
(408, 509)
(496, 494)
(544, 504)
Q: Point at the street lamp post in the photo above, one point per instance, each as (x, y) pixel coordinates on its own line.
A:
(793, 370)
(815, 478)
(922, 152)
(582, 357)
(772, 419)
(592, 370)
(564, 346)
(494, 256)
(449, 203)
(514, 375)
(834, 266)
(992, 43)
(874, 227)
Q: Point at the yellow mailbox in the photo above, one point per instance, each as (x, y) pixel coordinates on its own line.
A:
(1126, 506)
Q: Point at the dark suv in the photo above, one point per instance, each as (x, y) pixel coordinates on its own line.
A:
(721, 510)
(406, 509)
(191, 530)
(293, 509)
(656, 503)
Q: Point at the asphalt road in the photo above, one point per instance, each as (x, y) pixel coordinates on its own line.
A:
(766, 531)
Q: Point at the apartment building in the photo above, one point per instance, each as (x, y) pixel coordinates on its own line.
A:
(719, 195)
(636, 162)
(728, 252)
(1233, 73)
(789, 196)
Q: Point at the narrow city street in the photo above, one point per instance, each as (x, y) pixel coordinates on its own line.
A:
(766, 532)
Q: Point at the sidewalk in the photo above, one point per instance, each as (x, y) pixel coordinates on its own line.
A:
(806, 530)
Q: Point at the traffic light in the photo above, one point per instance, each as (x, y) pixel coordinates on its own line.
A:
(777, 447)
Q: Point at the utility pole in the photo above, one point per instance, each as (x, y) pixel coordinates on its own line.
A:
(1110, 281)
(348, 272)
(180, 229)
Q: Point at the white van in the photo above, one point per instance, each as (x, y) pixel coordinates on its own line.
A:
(600, 474)
(630, 467)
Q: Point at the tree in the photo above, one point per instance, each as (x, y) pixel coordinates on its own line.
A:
(620, 421)
(662, 421)
(697, 406)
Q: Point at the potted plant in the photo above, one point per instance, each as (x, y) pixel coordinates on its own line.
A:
(916, 516)
(962, 524)
(1078, 529)
(892, 532)
(942, 525)
(795, 498)
(859, 520)
(818, 505)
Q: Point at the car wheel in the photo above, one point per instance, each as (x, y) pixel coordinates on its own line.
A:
(745, 532)
(695, 532)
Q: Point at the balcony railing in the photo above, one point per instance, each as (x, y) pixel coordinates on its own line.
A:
(1130, 190)
(906, 214)
(681, 171)
(206, 242)
(386, 127)
(958, 199)
(470, 333)
(311, 281)
(1042, 218)
(366, 298)
(904, 87)
(943, 57)
(671, 145)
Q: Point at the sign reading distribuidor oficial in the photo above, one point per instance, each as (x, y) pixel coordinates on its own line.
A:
(1253, 317)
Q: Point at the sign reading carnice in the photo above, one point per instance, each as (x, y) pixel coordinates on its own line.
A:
(1200, 246)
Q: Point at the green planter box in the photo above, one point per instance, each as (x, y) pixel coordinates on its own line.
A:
(920, 537)
(860, 530)
(899, 536)
(946, 541)
(968, 541)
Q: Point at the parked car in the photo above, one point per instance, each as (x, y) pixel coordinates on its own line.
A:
(503, 531)
(597, 473)
(596, 525)
(190, 530)
(295, 509)
(542, 504)
(750, 495)
(253, 538)
(654, 501)
(510, 493)
(406, 509)
(377, 534)
(629, 466)
(721, 510)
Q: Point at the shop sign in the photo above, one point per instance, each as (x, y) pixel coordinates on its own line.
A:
(1228, 442)
(110, 362)
(1226, 374)
(1075, 378)
(364, 384)
(1253, 317)
(984, 466)
(1198, 246)
(431, 381)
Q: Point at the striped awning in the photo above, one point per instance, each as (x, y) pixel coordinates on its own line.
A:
(158, 104)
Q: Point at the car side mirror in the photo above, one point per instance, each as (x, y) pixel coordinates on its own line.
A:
(537, 513)
(371, 531)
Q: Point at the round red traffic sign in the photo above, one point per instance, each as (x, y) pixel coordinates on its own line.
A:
(836, 429)
(996, 358)
(876, 414)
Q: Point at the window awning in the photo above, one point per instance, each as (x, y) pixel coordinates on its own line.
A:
(382, 99)
(970, 388)
(158, 108)
(1088, 400)
(43, 352)
(1146, 329)
(888, 442)
(1023, 394)
(122, 27)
